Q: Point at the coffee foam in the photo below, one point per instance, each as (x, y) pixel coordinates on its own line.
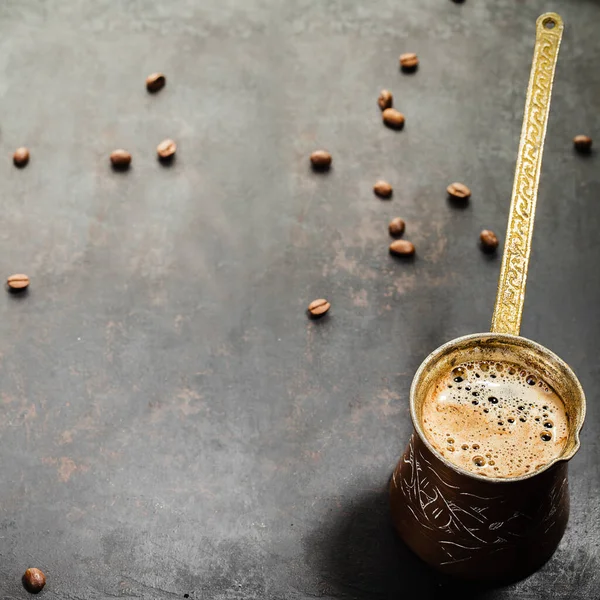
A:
(495, 419)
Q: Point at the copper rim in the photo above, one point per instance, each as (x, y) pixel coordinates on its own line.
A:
(510, 340)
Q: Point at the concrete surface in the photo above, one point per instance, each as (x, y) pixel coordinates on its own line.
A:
(172, 423)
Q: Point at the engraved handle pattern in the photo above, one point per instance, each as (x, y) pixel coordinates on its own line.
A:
(513, 274)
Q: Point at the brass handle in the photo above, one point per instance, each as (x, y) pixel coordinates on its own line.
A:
(517, 248)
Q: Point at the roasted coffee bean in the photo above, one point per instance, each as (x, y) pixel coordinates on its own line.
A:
(459, 191)
(120, 158)
(320, 159)
(34, 580)
(385, 99)
(17, 282)
(21, 157)
(393, 118)
(409, 61)
(489, 240)
(317, 308)
(402, 248)
(383, 189)
(582, 143)
(155, 82)
(166, 149)
(396, 227)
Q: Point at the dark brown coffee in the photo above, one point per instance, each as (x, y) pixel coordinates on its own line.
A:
(402, 248)
(320, 160)
(18, 282)
(582, 143)
(21, 157)
(155, 82)
(458, 191)
(409, 61)
(166, 150)
(34, 581)
(383, 189)
(393, 118)
(489, 240)
(317, 308)
(495, 419)
(120, 159)
(396, 227)
(385, 99)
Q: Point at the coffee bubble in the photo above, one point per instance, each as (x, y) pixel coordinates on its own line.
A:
(459, 373)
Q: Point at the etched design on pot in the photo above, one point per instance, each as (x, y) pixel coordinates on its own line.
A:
(460, 520)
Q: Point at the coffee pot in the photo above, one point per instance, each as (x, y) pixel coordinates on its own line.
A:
(463, 523)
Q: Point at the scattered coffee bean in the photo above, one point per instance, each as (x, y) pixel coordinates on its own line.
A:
(383, 189)
(385, 99)
(459, 191)
(393, 118)
(320, 159)
(489, 240)
(409, 61)
(166, 149)
(396, 227)
(402, 248)
(155, 82)
(18, 282)
(317, 308)
(34, 580)
(583, 143)
(120, 158)
(21, 157)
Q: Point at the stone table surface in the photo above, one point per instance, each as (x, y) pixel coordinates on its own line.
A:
(172, 423)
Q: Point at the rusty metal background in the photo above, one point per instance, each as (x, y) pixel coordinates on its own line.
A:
(171, 422)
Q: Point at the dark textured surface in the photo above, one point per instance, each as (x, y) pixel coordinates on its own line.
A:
(172, 423)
